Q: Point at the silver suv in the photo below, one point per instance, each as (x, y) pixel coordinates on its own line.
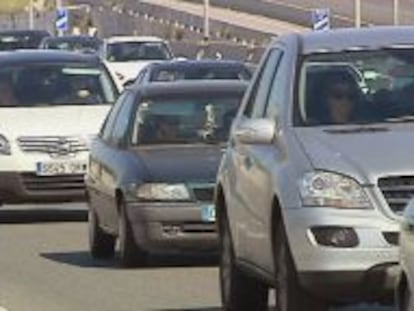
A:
(318, 170)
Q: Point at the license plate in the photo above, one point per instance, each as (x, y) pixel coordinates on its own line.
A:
(60, 168)
(208, 213)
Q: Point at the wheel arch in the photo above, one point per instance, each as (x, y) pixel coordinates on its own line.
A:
(402, 284)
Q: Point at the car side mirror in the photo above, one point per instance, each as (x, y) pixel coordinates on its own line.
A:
(255, 131)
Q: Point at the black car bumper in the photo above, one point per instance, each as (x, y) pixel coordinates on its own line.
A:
(165, 227)
(16, 187)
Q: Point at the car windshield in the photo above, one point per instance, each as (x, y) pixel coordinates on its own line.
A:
(19, 41)
(55, 84)
(360, 87)
(185, 121)
(81, 45)
(136, 51)
(200, 73)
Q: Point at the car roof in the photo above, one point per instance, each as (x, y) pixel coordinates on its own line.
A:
(116, 39)
(46, 56)
(180, 88)
(74, 38)
(196, 63)
(351, 39)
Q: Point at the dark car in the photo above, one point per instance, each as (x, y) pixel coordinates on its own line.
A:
(21, 39)
(84, 44)
(153, 167)
(194, 70)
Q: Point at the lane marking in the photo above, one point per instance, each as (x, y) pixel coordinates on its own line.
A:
(3, 309)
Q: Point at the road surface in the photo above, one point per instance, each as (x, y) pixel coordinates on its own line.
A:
(46, 267)
(298, 11)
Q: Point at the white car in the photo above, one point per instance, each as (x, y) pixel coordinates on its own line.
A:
(404, 291)
(51, 105)
(126, 56)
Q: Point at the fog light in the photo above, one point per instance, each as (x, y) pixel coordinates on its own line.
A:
(335, 236)
(171, 229)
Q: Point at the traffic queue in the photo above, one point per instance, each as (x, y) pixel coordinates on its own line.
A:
(297, 173)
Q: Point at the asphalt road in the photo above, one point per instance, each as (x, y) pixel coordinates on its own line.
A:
(46, 267)
(298, 11)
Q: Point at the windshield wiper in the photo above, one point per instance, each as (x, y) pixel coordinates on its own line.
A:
(357, 129)
(401, 119)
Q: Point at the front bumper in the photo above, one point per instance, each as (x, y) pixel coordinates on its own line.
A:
(19, 187)
(366, 270)
(171, 227)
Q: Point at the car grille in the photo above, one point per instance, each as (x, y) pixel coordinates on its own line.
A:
(198, 228)
(55, 145)
(68, 183)
(397, 191)
(205, 194)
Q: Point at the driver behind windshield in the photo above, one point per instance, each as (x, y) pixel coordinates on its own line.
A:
(339, 96)
(185, 121)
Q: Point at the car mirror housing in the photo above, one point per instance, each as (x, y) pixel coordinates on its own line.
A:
(255, 131)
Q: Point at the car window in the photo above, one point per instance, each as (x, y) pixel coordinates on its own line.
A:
(141, 76)
(194, 120)
(260, 91)
(359, 87)
(136, 51)
(73, 44)
(278, 89)
(13, 41)
(110, 119)
(54, 84)
(200, 72)
(122, 120)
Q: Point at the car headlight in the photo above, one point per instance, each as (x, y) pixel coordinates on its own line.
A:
(4, 146)
(163, 192)
(87, 139)
(325, 189)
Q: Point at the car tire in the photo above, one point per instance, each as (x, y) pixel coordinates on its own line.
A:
(407, 299)
(101, 244)
(289, 294)
(129, 252)
(238, 290)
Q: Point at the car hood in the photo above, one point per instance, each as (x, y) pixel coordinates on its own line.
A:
(180, 164)
(366, 156)
(52, 120)
(129, 70)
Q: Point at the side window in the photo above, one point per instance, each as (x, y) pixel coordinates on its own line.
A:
(278, 92)
(110, 119)
(123, 119)
(141, 75)
(260, 91)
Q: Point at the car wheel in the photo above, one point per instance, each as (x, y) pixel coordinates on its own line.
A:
(130, 253)
(101, 244)
(407, 299)
(238, 291)
(289, 294)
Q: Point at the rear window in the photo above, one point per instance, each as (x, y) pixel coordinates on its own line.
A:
(136, 51)
(80, 45)
(200, 73)
(55, 84)
(20, 41)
